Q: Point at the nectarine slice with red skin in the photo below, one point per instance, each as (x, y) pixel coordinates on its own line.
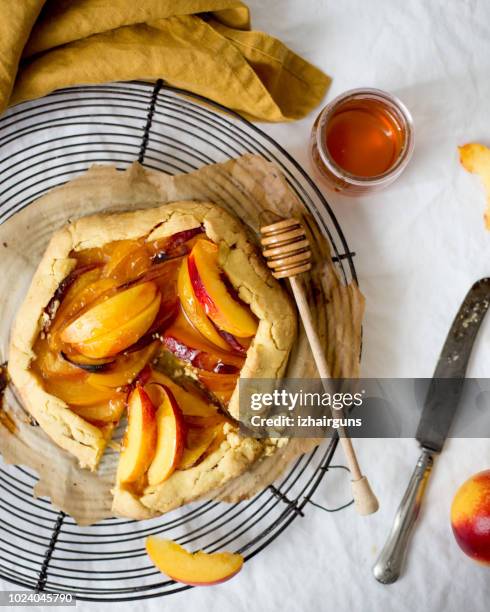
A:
(171, 434)
(196, 569)
(166, 247)
(195, 311)
(187, 344)
(209, 288)
(110, 313)
(120, 337)
(140, 439)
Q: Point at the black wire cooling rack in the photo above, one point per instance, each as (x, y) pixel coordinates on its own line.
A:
(43, 144)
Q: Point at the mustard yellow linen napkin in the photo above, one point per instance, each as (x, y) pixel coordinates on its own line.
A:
(204, 46)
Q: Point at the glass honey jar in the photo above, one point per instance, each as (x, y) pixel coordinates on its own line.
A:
(361, 141)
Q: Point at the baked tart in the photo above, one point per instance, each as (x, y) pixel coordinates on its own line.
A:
(154, 314)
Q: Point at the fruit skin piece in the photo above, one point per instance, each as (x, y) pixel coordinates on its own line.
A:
(110, 314)
(194, 310)
(475, 158)
(209, 288)
(171, 434)
(140, 439)
(196, 569)
(470, 517)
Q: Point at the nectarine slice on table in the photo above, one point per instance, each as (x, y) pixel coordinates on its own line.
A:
(140, 439)
(171, 434)
(195, 311)
(114, 324)
(213, 294)
(196, 569)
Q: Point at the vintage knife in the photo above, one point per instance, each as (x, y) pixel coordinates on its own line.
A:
(439, 409)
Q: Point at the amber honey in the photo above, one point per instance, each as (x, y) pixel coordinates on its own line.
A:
(362, 141)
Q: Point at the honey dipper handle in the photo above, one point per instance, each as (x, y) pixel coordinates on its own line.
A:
(365, 501)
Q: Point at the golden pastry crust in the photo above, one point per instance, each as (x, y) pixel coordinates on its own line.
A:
(266, 358)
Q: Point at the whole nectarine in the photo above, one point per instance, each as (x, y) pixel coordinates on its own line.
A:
(470, 517)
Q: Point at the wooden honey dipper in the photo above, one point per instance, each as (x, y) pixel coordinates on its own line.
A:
(287, 251)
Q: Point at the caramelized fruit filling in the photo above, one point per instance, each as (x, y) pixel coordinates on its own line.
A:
(124, 306)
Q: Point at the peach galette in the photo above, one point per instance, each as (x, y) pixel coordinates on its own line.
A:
(153, 314)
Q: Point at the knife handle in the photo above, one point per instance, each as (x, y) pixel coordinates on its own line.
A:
(389, 564)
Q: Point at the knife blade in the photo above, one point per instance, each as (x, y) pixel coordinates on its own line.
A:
(440, 406)
(443, 395)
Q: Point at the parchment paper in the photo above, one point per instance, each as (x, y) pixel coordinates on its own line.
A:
(249, 187)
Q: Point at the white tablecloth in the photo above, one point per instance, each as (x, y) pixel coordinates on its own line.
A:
(420, 245)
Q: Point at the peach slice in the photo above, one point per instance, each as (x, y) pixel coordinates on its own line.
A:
(105, 412)
(76, 302)
(51, 364)
(118, 251)
(123, 337)
(110, 313)
(217, 382)
(129, 260)
(126, 368)
(173, 245)
(205, 422)
(193, 309)
(187, 344)
(114, 324)
(196, 569)
(190, 403)
(197, 443)
(77, 392)
(214, 295)
(171, 434)
(140, 439)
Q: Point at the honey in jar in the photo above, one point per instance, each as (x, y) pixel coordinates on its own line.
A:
(362, 141)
